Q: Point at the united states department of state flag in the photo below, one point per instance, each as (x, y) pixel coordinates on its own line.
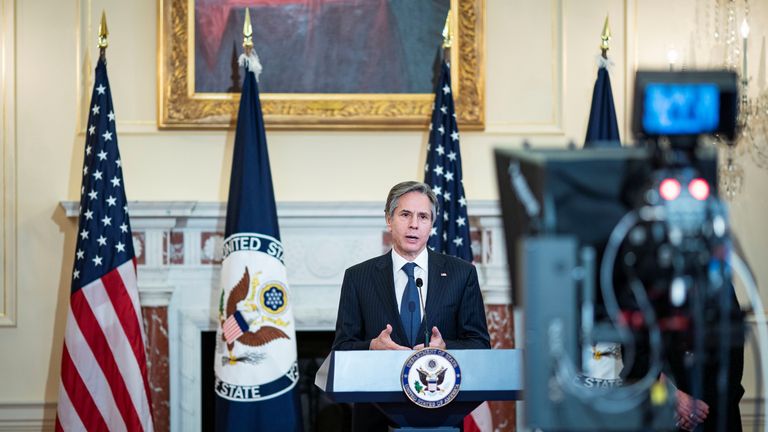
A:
(602, 128)
(103, 368)
(450, 232)
(255, 360)
(602, 131)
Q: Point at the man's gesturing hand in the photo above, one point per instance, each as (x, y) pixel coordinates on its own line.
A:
(384, 341)
(435, 341)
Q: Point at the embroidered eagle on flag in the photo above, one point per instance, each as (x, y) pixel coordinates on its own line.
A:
(235, 326)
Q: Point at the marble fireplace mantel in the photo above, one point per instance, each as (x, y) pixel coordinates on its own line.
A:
(178, 247)
(178, 252)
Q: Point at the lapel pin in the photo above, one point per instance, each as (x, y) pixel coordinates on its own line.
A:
(443, 274)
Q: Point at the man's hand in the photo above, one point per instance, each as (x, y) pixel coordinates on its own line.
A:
(689, 411)
(436, 341)
(384, 341)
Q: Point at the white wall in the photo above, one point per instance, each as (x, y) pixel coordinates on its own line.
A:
(540, 68)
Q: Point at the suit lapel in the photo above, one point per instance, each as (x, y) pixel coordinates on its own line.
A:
(385, 288)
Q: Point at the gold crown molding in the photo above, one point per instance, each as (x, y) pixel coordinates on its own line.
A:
(179, 107)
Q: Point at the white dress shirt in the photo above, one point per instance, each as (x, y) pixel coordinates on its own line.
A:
(401, 279)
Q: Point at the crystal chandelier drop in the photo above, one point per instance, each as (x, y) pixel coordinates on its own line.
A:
(730, 173)
(755, 129)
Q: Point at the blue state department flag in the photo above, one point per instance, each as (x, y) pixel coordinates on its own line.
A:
(450, 230)
(602, 129)
(255, 361)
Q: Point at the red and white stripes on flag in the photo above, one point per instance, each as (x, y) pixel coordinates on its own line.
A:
(104, 369)
(479, 420)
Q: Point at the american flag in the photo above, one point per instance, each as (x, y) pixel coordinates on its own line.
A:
(450, 232)
(103, 367)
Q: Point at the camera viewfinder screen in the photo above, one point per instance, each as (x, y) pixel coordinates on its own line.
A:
(681, 109)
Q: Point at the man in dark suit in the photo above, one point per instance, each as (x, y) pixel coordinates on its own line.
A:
(381, 306)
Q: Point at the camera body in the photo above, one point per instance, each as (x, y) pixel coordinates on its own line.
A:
(626, 245)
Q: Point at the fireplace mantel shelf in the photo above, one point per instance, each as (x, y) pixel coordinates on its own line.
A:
(178, 245)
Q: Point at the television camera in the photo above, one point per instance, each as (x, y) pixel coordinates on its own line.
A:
(628, 245)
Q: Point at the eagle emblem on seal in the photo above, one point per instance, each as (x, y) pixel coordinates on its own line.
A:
(431, 377)
(243, 321)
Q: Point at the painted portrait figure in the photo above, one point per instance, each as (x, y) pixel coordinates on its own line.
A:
(321, 46)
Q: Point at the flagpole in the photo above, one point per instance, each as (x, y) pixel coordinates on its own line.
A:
(103, 33)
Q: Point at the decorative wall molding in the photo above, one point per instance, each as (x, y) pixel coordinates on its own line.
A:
(8, 164)
(554, 126)
(624, 69)
(630, 65)
(18, 417)
(752, 413)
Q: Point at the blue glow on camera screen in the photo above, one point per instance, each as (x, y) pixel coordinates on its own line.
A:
(681, 109)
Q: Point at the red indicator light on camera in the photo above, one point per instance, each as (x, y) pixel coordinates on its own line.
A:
(669, 189)
(699, 189)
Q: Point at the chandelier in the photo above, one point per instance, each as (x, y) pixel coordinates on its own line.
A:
(752, 121)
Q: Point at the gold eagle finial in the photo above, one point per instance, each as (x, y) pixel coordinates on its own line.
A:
(448, 31)
(605, 38)
(247, 33)
(103, 43)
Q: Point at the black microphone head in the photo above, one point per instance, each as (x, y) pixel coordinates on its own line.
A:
(419, 283)
(411, 306)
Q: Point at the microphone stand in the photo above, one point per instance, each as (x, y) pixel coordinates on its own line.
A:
(411, 309)
(419, 284)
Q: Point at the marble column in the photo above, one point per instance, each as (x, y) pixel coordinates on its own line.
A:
(154, 300)
(501, 328)
(156, 328)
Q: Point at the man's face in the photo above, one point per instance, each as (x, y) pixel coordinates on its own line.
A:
(411, 224)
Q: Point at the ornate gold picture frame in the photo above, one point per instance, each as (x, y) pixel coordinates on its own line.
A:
(181, 107)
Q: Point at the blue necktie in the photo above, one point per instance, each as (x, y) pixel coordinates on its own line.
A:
(410, 312)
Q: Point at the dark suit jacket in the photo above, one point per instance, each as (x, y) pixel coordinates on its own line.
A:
(454, 304)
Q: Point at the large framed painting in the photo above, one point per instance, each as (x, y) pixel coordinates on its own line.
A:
(346, 64)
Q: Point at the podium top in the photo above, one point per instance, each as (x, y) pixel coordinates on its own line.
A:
(374, 376)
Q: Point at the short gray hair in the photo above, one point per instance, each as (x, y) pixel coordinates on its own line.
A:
(405, 187)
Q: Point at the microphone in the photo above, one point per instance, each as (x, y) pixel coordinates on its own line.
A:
(419, 284)
(411, 309)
